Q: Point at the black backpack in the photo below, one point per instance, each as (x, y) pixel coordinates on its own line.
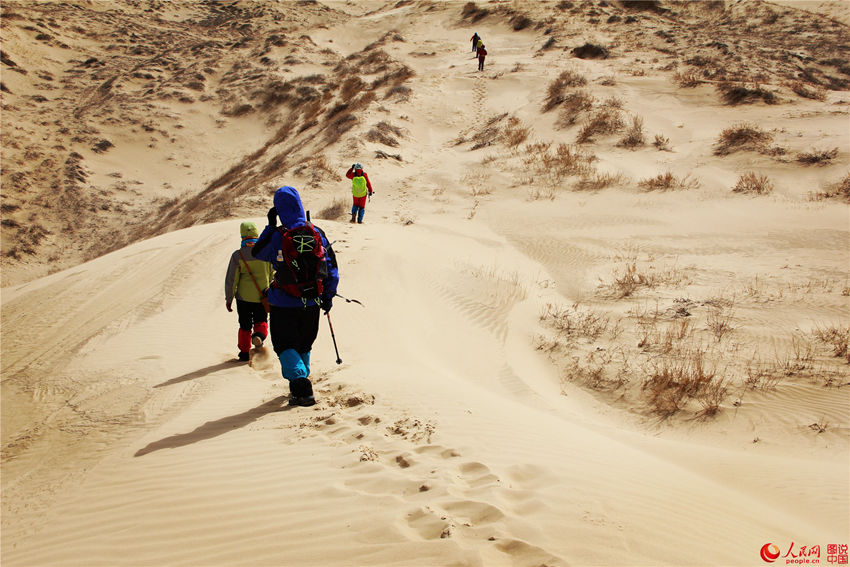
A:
(302, 262)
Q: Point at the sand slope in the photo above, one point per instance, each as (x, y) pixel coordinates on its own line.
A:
(463, 426)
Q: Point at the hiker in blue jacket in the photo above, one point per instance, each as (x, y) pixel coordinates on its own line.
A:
(294, 320)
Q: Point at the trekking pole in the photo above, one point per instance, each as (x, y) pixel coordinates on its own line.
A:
(338, 359)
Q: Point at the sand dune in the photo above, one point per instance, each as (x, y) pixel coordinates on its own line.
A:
(557, 361)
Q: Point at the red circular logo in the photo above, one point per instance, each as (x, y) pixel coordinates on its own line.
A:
(769, 552)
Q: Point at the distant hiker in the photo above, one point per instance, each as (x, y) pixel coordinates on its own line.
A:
(475, 38)
(482, 53)
(245, 280)
(360, 188)
(305, 281)
(479, 44)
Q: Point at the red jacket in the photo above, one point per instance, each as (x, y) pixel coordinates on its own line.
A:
(481, 52)
(350, 174)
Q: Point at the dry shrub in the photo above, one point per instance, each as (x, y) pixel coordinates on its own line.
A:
(402, 91)
(604, 121)
(598, 181)
(634, 135)
(742, 136)
(662, 143)
(472, 12)
(838, 339)
(554, 167)
(740, 94)
(819, 157)
(838, 190)
(555, 92)
(675, 379)
(515, 132)
(572, 106)
(753, 183)
(719, 320)
(813, 92)
(574, 322)
(667, 182)
(590, 51)
(336, 210)
(687, 79)
(384, 133)
(351, 87)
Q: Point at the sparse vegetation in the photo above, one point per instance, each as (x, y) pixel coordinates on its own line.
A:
(555, 92)
(662, 143)
(742, 136)
(634, 135)
(817, 157)
(603, 121)
(552, 167)
(590, 51)
(515, 133)
(814, 92)
(572, 106)
(838, 190)
(740, 94)
(336, 210)
(753, 183)
(668, 182)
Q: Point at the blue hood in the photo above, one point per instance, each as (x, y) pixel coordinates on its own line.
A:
(290, 211)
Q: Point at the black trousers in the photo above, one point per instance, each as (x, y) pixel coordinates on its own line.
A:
(250, 314)
(293, 327)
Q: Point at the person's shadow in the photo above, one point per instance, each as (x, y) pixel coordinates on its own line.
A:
(218, 427)
(198, 373)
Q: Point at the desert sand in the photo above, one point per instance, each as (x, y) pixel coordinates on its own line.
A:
(565, 353)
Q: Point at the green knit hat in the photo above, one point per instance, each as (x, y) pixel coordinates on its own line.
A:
(248, 230)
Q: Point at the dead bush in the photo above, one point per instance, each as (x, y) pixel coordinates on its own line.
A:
(572, 106)
(555, 92)
(473, 13)
(662, 143)
(817, 157)
(667, 182)
(634, 135)
(742, 136)
(515, 133)
(598, 181)
(603, 121)
(753, 183)
(740, 94)
(813, 92)
(554, 166)
(687, 79)
(384, 133)
(590, 51)
(336, 210)
(837, 337)
(838, 190)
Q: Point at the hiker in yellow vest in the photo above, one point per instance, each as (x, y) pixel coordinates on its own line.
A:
(360, 189)
(246, 279)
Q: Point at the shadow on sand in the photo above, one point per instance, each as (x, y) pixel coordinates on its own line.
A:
(218, 427)
(200, 373)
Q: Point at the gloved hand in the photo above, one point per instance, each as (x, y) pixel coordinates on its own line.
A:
(230, 306)
(327, 303)
(272, 216)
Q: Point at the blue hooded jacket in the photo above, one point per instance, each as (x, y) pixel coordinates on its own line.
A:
(290, 211)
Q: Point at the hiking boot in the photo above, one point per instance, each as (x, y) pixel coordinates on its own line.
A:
(303, 401)
(244, 357)
(257, 339)
(353, 217)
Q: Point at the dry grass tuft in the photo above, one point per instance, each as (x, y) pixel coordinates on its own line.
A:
(741, 94)
(687, 79)
(515, 133)
(572, 106)
(838, 339)
(818, 157)
(838, 190)
(555, 92)
(741, 136)
(336, 210)
(634, 135)
(597, 181)
(753, 183)
(662, 143)
(668, 182)
(813, 92)
(603, 121)
(555, 166)
(590, 51)
(384, 133)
